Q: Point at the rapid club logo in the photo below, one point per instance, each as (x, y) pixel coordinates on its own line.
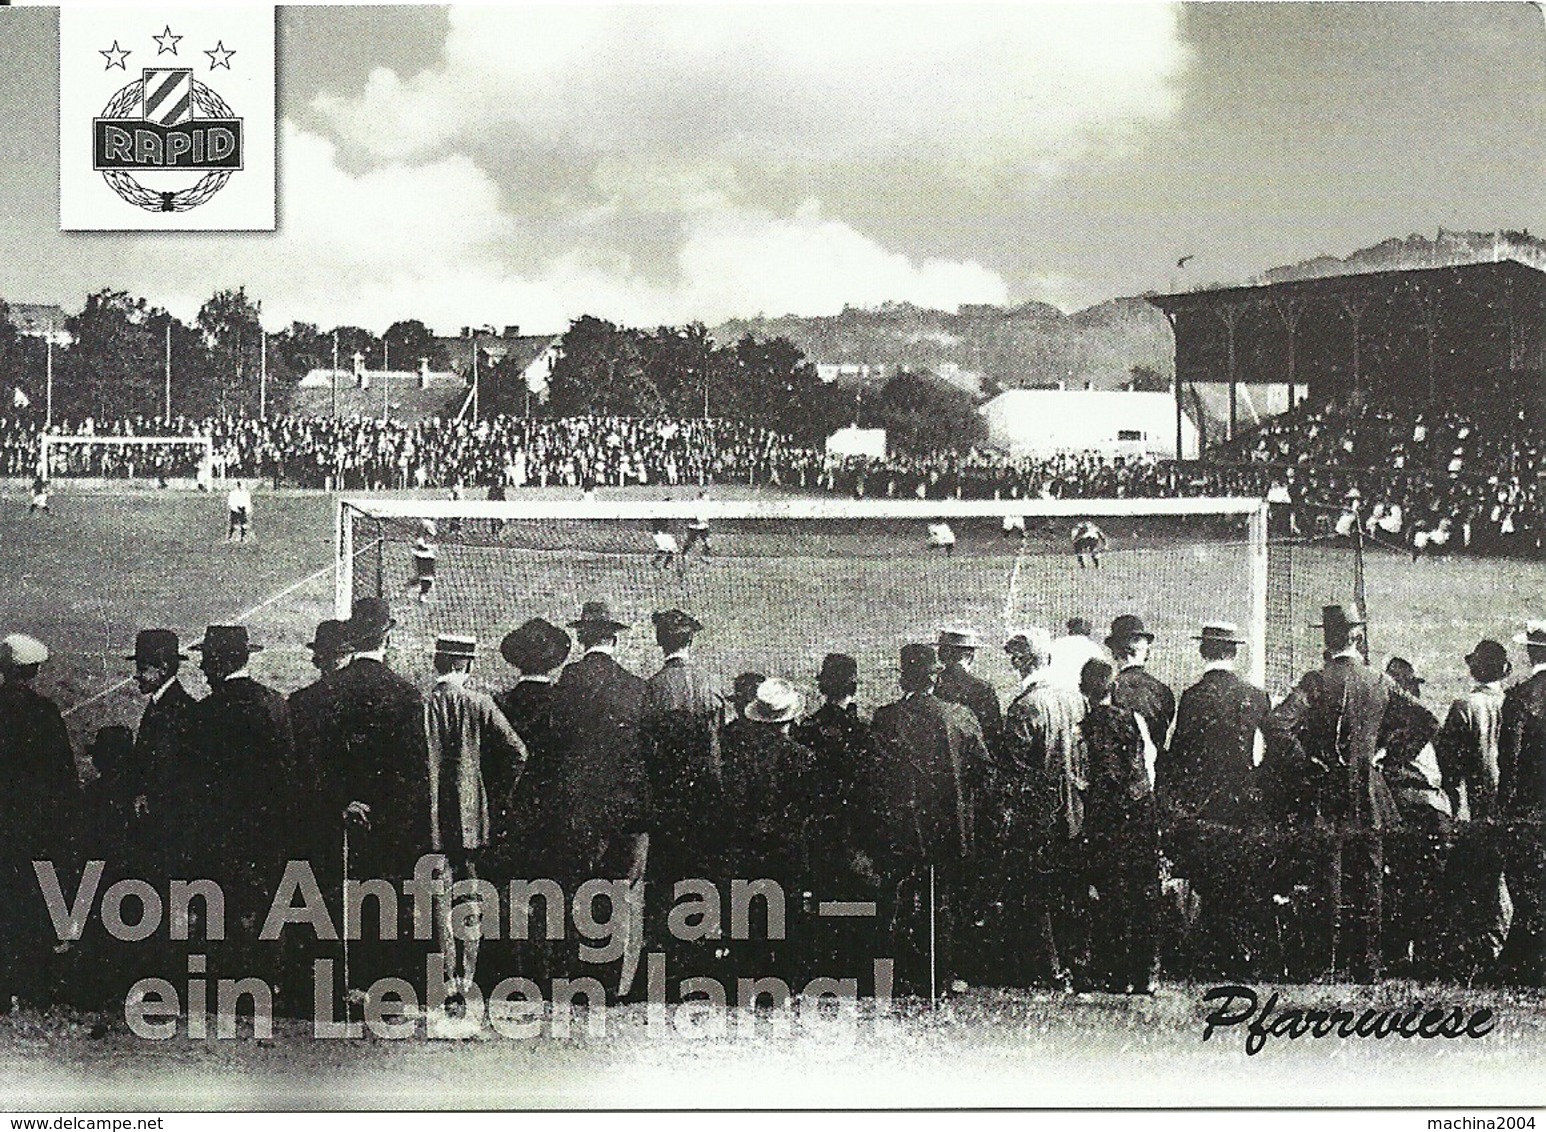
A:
(167, 121)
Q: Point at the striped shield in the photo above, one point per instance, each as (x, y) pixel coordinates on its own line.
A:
(168, 96)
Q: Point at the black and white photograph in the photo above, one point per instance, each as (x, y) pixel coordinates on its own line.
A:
(798, 556)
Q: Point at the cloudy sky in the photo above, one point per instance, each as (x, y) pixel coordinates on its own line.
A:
(657, 164)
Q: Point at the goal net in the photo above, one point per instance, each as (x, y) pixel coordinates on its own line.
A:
(173, 460)
(783, 581)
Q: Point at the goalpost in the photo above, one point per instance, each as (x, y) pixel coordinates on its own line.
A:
(128, 457)
(787, 579)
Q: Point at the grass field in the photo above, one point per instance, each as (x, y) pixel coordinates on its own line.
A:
(85, 577)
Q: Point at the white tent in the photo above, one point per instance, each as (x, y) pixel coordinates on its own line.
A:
(1039, 422)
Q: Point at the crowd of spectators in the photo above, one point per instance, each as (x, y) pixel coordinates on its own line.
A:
(1426, 479)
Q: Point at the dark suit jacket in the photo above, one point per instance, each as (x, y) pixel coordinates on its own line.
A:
(1137, 689)
(767, 811)
(935, 764)
(159, 769)
(245, 758)
(39, 787)
(1522, 750)
(1207, 771)
(1324, 736)
(599, 789)
(522, 806)
(958, 686)
(366, 730)
(843, 747)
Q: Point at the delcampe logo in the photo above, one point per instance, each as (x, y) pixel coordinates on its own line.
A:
(184, 140)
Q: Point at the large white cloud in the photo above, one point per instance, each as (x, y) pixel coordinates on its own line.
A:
(431, 240)
(801, 82)
(663, 163)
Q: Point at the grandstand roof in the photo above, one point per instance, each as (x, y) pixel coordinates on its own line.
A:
(1415, 333)
(37, 318)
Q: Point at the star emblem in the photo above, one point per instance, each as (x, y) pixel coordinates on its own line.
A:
(115, 56)
(220, 56)
(166, 42)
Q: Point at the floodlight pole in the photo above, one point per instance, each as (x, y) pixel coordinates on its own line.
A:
(263, 378)
(166, 406)
(48, 381)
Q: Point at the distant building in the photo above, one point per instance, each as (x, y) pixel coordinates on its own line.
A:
(1044, 422)
(39, 320)
(531, 355)
(853, 373)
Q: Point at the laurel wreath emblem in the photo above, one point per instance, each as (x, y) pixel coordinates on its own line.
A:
(124, 184)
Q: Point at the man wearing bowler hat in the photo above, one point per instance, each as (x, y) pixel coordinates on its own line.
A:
(956, 684)
(245, 758)
(1135, 688)
(1477, 901)
(934, 764)
(309, 706)
(1324, 736)
(1204, 782)
(1522, 807)
(600, 793)
(41, 796)
(157, 767)
(522, 807)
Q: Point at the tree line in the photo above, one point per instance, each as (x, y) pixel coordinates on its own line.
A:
(116, 365)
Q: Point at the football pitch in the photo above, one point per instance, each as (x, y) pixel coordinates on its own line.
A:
(85, 577)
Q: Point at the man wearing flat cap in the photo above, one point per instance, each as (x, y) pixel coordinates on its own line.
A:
(1135, 687)
(1205, 785)
(958, 685)
(679, 727)
(935, 765)
(1321, 746)
(41, 796)
(466, 735)
(245, 756)
(1522, 806)
(1477, 901)
(1043, 773)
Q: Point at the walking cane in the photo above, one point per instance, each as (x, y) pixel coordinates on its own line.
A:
(933, 990)
(344, 891)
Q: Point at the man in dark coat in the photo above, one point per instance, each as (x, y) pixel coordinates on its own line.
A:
(156, 772)
(1123, 842)
(1322, 741)
(600, 793)
(958, 685)
(1136, 689)
(524, 820)
(372, 767)
(680, 721)
(1522, 806)
(1477, 902)
(765, 826)
(245, 757)
(309, 706)
(934, 766)
(39, 794)
(843, 795)
(1204, 782)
